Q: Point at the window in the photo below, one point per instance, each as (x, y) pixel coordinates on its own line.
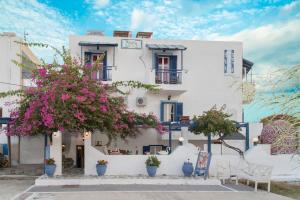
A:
(171, 111)
(228, 61)
(166, 71)
(104, 74)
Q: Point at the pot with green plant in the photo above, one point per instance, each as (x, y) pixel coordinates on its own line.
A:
(50, 167)
(152, 163)
(101, 167)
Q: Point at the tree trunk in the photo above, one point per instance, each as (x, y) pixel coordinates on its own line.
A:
(231, 147)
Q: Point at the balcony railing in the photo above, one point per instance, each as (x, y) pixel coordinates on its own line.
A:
(168, 76)
(105, 74)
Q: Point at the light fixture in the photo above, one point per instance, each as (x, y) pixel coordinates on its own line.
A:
(181, 140)
(255, 141)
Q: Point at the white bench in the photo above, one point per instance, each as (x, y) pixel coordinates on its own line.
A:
(245, 170)
(257, 173)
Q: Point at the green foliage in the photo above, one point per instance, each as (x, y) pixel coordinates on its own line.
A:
(215, 122)
(102, 162)
(152, 161)
(50, 161)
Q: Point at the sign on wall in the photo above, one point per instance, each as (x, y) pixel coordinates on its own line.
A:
(131, 44)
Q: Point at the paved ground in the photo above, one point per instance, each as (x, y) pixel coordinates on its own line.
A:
(146, 192)
(11, 187)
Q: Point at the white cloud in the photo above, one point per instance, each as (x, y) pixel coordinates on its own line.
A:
(98, 4)
(290, 6)
(139, 19)
(42, 23)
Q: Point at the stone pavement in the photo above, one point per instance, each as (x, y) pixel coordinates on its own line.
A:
(146, 192)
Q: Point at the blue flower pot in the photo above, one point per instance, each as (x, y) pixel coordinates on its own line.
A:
(151, 170)
(101, 169)
(187, 169)
(50, 169)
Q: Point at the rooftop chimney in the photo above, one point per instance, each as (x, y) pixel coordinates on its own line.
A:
(95, 32)
(8, 34)
(143, 34)
(122, 34)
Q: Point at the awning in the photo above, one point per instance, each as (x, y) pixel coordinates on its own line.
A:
(165, 47)
(247, 64)
(102, 44)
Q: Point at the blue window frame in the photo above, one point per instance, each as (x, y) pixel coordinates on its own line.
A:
(228, 61)
(105, 74)
(170, 111)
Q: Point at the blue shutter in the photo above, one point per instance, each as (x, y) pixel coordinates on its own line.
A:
(105, 67)
(178, 111)
(173, 69)
(87, 57)
(162, 111)
(225, 61)
(232, 61)
(146, 149)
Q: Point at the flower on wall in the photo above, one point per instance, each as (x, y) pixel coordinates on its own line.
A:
(67, 98)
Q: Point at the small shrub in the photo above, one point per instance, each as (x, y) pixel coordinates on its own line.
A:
(50, 161)
(102, 162)
(153, 161)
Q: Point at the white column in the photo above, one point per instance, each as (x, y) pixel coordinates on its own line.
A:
(56, 152)
(87, 146)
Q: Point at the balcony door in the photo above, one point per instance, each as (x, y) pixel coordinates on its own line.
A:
(164, 67)
(96, 59)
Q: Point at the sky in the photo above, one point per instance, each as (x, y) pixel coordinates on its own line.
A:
(269, 29)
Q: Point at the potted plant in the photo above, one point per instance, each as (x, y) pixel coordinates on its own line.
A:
(152, 163)
(187, 168)
(101, 167)
(50, 167)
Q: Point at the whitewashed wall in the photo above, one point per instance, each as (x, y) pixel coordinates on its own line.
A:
(32, 150)
(56, 152)
(135, 164)
(203, 63)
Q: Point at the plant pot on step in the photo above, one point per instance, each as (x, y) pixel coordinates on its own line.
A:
(50, 167)
(187, 169)
(50, 170)
(152, 163)
(151, 170)
(101, 167)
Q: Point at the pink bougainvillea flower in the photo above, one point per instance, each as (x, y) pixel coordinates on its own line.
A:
(103, 108)
(80, 98)
(65, 97)
(103, 99)
(42, 72)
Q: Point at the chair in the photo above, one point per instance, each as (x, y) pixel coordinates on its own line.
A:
(202, 165)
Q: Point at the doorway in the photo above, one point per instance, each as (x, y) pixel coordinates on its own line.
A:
(80, 156)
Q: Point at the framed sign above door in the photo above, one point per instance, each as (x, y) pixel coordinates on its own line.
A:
(131, 44)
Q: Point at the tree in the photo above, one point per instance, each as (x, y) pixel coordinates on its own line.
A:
(68, 98)
(215, 122)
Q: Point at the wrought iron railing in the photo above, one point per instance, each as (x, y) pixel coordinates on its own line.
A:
(105, 74)
(168, 76)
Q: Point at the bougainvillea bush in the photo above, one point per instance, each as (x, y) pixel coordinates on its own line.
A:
(68, 98)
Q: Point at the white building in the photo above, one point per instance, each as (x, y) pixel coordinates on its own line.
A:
(13, 77)
(192, 75)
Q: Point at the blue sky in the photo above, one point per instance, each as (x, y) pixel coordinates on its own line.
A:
(269, 29)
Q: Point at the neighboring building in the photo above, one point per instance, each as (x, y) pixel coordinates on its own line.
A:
(193, 76)
(13, 77)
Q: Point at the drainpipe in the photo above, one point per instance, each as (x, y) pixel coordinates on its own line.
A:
(45, 149)
(209, 143)
(170, 138)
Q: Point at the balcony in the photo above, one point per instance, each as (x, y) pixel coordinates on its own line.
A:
(105, 74)
(168, 76)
